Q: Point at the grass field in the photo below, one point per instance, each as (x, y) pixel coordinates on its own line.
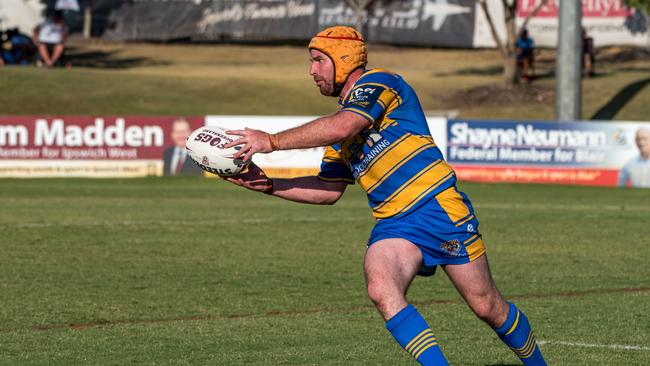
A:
(146, 79)
(195, 271)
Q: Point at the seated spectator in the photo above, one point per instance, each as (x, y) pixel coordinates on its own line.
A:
(50, 36)
(588, 55)
(525, 54)
(17, 48)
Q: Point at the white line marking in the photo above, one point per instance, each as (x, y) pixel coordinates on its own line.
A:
(550, 206)
(591, 345)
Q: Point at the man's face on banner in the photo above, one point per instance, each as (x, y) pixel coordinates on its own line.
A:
(180, 131)
(643, 141)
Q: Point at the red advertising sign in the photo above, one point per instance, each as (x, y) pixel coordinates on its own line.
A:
(91, 146)
(590, 8)
(509, 174)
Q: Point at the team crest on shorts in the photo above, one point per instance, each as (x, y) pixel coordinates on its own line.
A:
(205, 161)
(451, 246)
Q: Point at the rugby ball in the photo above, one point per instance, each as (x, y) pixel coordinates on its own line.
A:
(205, 147)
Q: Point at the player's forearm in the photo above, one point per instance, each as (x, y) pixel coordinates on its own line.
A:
(323, 131)
(305, 190)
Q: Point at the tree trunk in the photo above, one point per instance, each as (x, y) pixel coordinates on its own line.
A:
(510, 71)
(510, 65)
(88, 20)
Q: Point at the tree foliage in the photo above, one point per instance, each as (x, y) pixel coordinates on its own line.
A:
(643, 5)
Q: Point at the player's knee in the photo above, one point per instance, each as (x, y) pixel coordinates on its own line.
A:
(488, 309)
(376, 292)
(382, 294)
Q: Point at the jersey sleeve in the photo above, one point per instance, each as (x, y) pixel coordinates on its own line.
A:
(372, 96)
(333, 168)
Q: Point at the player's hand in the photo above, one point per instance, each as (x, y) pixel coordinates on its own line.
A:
(254, 179)
(254, 141)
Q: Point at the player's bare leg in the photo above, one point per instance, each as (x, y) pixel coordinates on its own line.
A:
(474, 282)
(390, 266)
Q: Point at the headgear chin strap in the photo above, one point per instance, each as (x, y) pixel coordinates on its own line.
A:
(346, 48)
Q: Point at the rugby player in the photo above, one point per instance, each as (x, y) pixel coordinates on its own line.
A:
(379, 138)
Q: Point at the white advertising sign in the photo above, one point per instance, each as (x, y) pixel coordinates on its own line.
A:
(303, 161)
(285, 163)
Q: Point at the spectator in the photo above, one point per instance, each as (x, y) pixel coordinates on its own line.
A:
(637, 171)
(17, 48)
(588, 55)
(50, 37)
(525, 54)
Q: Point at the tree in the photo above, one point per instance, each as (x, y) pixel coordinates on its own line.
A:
(643, 5)
(507, 46)
(359, 7)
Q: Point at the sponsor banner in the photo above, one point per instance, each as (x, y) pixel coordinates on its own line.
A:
(412, 22)
(509, 174)
(288, 163)
(253, 20)
(302, 162)
(79, 168)
(592, 153)
(438, 130)
(608, 22)
(93, 146)
(446, 23)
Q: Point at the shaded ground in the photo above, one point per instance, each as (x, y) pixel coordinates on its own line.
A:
(540, 92)
(80, 57)
(498, 94)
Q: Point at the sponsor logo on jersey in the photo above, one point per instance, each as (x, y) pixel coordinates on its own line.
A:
(364, 97)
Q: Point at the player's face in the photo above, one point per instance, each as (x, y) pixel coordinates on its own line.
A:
(180, 132)
(322, 70)
(643, 141)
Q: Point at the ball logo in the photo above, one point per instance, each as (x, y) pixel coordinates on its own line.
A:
(215, 141)
(207, 138)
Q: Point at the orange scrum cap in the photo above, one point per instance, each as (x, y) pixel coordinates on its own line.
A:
(345, 46)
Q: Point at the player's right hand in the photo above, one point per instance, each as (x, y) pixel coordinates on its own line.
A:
(253, 178)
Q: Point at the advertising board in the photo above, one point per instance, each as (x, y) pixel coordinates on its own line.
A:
(588, 153)
(81, 146)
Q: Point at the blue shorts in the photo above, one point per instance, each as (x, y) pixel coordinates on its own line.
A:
(445, 229)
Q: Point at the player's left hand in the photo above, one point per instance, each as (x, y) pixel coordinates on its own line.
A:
(254, 141)
(253, 178)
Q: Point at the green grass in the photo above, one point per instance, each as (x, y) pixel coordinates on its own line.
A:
(195, 271)
(145, 79)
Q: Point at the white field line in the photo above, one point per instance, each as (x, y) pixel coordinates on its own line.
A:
(591, 345)
(551, 206)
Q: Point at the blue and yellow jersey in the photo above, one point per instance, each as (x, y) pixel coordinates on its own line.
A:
(395, 159)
